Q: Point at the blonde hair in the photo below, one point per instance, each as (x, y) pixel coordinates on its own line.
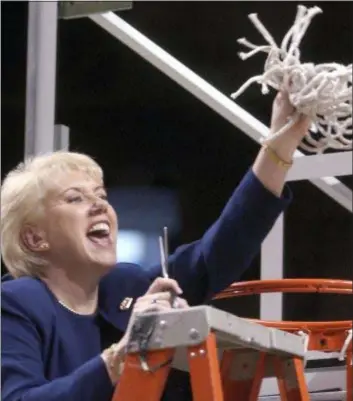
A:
(22, 194)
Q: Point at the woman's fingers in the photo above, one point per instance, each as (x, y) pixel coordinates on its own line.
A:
(163, 295)
(156, 297)
(160, 306)
(282, 111)
(164, 284)
(150, 301)
(161, 298)
(180, 303)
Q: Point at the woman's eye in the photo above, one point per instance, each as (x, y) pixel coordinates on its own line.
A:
(103, 196)
(74, 199)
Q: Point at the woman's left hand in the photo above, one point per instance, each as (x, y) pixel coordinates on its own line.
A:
(282, 111)
(271, 173)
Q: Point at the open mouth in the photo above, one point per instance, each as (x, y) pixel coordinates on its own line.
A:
(99, 233)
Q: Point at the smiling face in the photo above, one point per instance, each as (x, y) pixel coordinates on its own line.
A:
(80, 226)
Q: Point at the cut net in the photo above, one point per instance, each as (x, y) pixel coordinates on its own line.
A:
(323, 91)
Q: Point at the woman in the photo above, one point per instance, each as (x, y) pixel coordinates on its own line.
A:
(65, 307)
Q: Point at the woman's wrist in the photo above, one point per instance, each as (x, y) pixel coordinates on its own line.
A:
(113, 358)
(288, 141)
(284, 146)
(274, 160)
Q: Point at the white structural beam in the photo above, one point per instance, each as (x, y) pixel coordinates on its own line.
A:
(335, 190)
(61, 137)
(318, 166)
(41, 77)
(200, 88)
(272, 268)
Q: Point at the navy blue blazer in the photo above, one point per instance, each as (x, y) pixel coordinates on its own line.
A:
(51, 354)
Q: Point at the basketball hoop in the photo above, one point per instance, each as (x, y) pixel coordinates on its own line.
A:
(325, 336)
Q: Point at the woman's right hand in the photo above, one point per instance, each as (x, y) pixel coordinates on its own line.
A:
(159, 297)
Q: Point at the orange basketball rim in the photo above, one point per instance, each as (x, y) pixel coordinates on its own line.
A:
(325, 336)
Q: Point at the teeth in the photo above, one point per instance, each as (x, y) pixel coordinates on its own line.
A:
(100, 227)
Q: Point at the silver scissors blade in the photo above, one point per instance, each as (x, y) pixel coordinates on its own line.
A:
(164, 251)
(166, 248)
(163, 258)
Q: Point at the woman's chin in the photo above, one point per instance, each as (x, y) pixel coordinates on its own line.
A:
(104, 264)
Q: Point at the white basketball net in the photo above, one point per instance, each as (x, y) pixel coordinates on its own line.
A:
(323, 91)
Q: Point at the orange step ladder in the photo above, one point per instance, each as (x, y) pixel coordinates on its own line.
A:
(194, 339)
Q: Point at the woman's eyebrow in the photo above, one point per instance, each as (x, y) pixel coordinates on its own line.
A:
(71, 189)
(82, 190)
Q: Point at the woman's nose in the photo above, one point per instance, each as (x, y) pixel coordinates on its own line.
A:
(98, 206)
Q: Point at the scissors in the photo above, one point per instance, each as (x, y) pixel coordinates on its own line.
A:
(164, 252)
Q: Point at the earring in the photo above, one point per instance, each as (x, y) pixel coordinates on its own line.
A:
(44, 247)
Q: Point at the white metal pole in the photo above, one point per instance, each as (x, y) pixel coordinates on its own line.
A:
(61, 137)
(41, 77)
(201, 89)
(272, 268)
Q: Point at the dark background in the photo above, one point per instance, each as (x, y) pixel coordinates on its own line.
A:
(146, 130)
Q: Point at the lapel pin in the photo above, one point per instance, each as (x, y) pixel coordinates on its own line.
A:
(125, 304)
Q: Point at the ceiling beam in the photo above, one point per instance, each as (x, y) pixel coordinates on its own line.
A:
(78, 9)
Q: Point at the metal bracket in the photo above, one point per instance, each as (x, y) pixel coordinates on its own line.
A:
(78, 9)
